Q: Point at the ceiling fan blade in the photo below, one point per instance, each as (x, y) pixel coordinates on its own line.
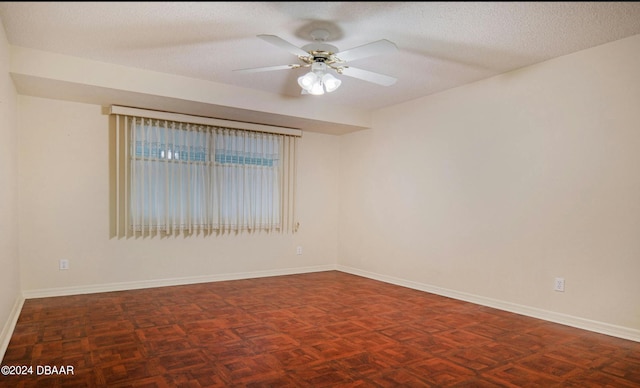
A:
(283, 44)
(268, 68)
(368, 50)
(369, 76)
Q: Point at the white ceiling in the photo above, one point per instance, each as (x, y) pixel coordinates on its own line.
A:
(441, 44)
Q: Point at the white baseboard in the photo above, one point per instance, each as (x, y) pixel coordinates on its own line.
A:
(581, 323)
(9, 326)
(124, 286)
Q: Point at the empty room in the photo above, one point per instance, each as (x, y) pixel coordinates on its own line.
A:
(320, 194)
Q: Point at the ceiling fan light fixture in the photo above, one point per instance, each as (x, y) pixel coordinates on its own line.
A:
(317, 81)
(319, 68)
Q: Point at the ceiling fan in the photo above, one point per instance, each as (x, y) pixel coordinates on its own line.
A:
(322, 58)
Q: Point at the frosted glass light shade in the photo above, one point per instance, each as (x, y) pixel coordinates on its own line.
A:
(308, 80)
(317, 89)
(330, 82)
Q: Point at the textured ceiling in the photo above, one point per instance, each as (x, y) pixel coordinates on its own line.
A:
(441, 45)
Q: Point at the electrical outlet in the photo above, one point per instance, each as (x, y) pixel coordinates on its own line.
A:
(63, 264)
(298, 250)
(559, 284)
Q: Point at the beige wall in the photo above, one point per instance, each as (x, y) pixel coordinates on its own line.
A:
(496, 188)
(9, 259)
(64, 212)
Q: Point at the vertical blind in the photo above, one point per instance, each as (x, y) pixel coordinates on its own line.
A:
(176, 177)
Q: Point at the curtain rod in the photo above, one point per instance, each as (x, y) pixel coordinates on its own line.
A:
(159, 115)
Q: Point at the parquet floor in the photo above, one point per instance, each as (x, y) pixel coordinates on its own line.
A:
(326, 329)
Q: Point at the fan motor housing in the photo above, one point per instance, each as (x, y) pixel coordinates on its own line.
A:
(320, 52)
(320, 47)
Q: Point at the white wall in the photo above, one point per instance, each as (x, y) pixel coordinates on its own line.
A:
(9, 258)
(495, 188)
(64, 213)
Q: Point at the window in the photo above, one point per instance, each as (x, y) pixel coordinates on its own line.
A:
(179, 177)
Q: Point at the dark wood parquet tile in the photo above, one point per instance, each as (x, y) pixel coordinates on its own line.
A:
(327, 329)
